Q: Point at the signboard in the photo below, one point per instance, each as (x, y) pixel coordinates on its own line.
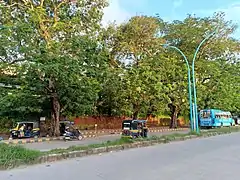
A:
(42, 119)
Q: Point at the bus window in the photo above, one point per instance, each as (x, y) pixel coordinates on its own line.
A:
(205, 115)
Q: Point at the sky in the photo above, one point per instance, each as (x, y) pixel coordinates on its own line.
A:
(122, 10)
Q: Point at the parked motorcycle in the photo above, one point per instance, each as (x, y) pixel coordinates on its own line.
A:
(76, 135)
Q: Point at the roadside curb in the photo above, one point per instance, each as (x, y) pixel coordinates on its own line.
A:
(167, 129)
(94, 151)
(86, 135)
(117, 131)
(38, 140)
(26, 141)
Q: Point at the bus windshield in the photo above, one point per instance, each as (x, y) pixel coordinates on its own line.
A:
(205, 114)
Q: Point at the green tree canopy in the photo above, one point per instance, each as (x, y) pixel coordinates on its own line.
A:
(50, 45)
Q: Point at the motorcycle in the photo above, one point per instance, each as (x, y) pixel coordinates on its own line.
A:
(73, 136)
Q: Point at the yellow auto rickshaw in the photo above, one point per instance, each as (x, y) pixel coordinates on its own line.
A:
(134, 128)
(25, 129)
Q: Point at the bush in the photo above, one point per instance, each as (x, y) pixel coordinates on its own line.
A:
(5, 125)
(4, 130)
(12, 156)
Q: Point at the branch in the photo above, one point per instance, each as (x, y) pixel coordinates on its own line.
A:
(47, 88)
(204, 47)
(222, 35)
(16, 61)
(56, 11)
(44, 32)
(205, 79)
(61, 3)
(26, 2)
(55, 18)
(64, 108)
(10, 5)
(41, 3)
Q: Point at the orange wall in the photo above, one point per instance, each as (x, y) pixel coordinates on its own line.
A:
(106, 122)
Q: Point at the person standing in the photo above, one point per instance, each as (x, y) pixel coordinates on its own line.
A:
(145, 130)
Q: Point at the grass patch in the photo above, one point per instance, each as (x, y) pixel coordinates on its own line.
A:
(12, 156)
(223, 130)
(120, 141)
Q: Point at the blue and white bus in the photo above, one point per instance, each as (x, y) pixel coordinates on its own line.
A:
(215, 118)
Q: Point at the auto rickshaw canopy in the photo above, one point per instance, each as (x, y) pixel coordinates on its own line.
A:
(132, 124)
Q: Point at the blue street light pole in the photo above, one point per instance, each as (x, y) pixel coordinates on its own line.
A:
(3, 27)
(194, 81)
(189, 82)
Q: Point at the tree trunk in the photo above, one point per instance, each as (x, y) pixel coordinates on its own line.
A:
(135, 115)
(55, 114)
(55, 107)
(135, 111)
(149, 116)
(174, 115)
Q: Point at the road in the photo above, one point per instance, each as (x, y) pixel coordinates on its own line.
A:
(199, 159)
(46, 146)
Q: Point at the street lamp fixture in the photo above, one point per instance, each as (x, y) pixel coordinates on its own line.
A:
(193, 77)
(192, 104)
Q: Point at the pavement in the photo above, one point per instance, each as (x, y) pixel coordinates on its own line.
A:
(48, 145)
(199, 159)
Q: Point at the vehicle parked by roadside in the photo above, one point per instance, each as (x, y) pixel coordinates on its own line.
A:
(134, 128)
(209, 118)
(25, 129)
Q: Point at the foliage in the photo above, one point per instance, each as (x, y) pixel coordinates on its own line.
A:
(56, 59)
(186, 35)
(6, 124)
(59, 64)
(132, 44)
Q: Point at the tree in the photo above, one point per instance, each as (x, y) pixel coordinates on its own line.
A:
(187, 35)
(132, 45)
(61, 62)
(53, 57)
(220, 86)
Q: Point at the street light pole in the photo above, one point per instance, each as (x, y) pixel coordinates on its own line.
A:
(194, 81)
(3, 27)
(189, 83)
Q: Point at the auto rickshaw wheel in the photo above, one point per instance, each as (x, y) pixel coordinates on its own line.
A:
(37, 136)
(80, 137)
(134, 137)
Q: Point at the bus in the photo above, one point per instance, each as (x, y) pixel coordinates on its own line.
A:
(215, 118)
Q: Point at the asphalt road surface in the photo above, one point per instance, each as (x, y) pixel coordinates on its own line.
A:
(199, 159)
(46, 146)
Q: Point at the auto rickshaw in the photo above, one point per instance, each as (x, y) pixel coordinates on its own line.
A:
(134, 128)
(25, 129)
